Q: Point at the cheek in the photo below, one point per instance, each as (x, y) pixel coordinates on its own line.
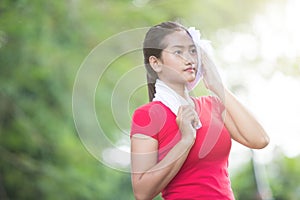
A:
(172, 67)
(195, 57)
(172, 64)
(171, 60)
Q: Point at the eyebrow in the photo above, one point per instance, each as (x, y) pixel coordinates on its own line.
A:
(181, 46)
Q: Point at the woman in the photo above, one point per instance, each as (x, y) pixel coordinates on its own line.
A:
(180, 144)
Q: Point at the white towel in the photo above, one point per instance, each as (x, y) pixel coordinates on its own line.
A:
(201, 44)
(170, 98)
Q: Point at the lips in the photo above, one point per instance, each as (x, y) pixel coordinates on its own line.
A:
(190, 69)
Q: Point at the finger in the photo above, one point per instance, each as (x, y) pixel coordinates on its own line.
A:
(179, 110)
(192, 115)
(197, 124)
(188, 111)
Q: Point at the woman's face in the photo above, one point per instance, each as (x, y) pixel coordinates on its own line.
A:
(179, 59)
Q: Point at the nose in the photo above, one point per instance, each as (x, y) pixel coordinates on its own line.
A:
(189, 59)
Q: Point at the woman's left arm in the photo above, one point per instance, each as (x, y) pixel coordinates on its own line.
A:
(241, 124)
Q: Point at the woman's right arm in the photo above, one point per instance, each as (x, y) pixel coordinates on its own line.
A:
(150, 177)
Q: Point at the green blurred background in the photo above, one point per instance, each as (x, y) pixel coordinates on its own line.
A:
(43, 44)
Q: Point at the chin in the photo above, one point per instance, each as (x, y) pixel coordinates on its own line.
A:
(189, 80)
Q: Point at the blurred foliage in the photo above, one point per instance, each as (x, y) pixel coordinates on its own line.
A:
(42, 44)
(243, 183)
(283, 178)
(284, 173)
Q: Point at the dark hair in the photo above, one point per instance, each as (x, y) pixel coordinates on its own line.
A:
(153, 46)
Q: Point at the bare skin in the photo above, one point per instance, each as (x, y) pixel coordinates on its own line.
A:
(150, 177)
(242, 125)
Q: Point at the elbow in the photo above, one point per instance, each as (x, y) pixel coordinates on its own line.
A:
(262, 143)
(140, 197)
(141, 194)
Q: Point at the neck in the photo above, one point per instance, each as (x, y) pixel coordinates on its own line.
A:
(178, 88)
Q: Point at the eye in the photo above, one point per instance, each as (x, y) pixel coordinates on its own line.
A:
(193, 51)
(177, 52)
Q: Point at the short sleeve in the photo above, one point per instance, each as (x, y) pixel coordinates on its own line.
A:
(148, 120)
(217, 104)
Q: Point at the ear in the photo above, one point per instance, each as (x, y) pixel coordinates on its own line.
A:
(155, 64)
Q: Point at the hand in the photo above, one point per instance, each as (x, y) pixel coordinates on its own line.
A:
(187, 119)
(212, 79)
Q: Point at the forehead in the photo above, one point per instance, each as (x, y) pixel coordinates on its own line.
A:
(181, 38)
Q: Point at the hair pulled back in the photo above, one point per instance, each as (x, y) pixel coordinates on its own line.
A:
(153, 46)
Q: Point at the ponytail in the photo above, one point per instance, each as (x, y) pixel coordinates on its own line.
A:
(151, 80)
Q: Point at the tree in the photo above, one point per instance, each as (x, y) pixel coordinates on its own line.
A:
(42, 44)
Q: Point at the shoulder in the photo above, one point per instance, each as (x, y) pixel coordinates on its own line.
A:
(207, 99)
(148, 106)
(149, 119)
(154, 107)
(150, 113)
(210, 101)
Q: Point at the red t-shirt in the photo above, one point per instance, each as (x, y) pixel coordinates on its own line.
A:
(204, 174)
